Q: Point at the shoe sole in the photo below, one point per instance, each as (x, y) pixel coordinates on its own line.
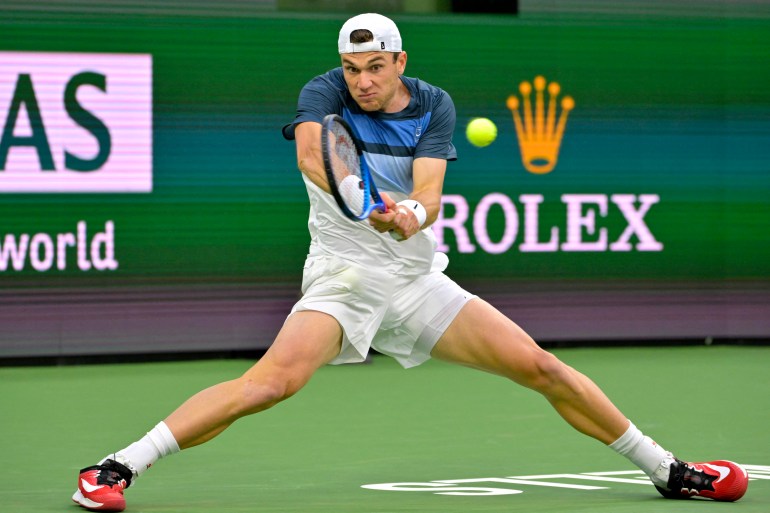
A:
(84, 502)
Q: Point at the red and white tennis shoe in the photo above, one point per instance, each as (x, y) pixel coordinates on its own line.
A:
(720, 480)
(100, 487)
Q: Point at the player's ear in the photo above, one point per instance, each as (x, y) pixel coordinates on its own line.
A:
(401, 62)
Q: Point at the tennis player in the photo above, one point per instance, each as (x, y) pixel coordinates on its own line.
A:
(362, 289)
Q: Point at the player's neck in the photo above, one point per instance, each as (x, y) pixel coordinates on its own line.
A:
(400, 100)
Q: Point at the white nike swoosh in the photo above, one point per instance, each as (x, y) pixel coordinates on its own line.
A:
(723, 471)
(88, 487)
(79, 498)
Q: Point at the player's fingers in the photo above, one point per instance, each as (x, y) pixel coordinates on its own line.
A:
(382, 221)
(388, 201)
(382, 217)
(405, 221)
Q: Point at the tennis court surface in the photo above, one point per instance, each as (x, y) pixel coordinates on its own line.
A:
(374, 438)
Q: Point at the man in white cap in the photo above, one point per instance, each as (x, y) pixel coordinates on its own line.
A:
(362, 289)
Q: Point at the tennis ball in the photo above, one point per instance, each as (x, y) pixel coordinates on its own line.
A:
(481, 132)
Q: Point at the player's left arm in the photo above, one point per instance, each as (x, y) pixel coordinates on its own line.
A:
(433, 151)
(428, 179)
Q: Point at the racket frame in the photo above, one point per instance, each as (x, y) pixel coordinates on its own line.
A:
(372, 199)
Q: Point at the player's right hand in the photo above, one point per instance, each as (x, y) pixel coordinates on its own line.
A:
(386, 221)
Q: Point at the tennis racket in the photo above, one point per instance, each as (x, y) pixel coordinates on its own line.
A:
(349, 178)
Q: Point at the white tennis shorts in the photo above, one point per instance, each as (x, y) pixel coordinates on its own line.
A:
(402, 317)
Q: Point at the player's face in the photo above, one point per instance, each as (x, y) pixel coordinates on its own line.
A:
(373, 79)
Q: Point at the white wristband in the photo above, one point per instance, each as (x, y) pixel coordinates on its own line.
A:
(417, 208)
(352, 195)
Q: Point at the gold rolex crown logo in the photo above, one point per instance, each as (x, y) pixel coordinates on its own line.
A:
(539, 134)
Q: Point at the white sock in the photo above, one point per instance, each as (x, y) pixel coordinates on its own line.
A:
(139, 456)
(643, 452)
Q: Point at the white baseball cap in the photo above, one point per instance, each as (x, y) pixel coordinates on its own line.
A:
(385, 32)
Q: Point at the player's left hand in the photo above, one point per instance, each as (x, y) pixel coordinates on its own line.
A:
(397, 219)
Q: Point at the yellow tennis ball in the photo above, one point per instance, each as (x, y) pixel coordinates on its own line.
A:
(481, 132)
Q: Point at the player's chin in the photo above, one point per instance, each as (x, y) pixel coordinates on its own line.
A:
(369, 104)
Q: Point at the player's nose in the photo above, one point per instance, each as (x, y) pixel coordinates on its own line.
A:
(364, 81)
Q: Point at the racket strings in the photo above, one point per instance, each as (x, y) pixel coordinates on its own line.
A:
(346, 169)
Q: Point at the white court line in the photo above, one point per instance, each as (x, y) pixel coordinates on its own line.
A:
(520, 481)
(613, 473)
(606, 478)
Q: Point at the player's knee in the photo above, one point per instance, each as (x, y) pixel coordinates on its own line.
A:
(259, 395)
(549, 374)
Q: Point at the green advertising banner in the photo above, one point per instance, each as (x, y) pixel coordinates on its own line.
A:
(143, 148)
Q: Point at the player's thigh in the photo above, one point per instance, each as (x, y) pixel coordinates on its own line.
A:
(307, 341)
(483, 338)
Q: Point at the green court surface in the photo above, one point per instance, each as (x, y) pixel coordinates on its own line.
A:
(377, 424)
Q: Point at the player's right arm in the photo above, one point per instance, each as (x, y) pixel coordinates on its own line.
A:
(319, 97)
(309, 156)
